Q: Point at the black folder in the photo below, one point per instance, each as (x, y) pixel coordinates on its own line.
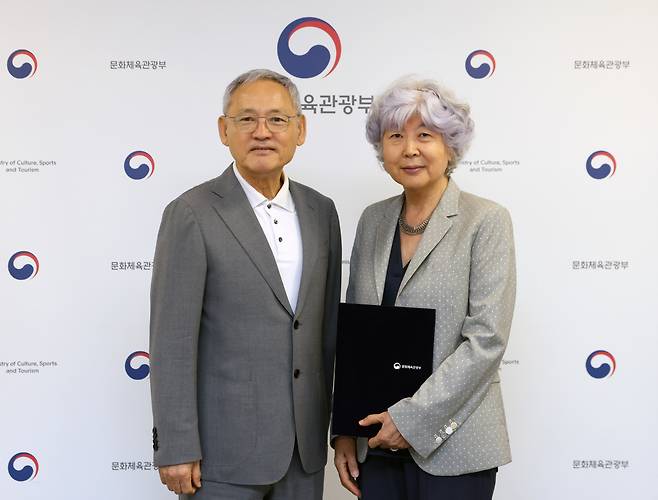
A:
(383, 354)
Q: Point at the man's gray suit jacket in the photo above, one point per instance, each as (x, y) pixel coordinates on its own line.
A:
(236, 376)
(464, 268)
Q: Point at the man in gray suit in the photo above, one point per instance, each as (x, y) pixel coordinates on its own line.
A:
(244, 301)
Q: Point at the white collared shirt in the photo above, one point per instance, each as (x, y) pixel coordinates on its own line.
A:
(279, 221)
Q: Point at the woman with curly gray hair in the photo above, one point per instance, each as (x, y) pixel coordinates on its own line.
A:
(436, 247)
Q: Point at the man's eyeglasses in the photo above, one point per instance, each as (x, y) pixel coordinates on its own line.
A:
(248, 123)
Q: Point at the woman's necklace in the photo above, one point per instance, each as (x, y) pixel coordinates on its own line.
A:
(413, 230)
(407, 228)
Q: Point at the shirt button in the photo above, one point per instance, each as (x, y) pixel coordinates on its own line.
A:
(280, 239)
(438, 440)
(296, 373)
(269, 205)
(276, 221)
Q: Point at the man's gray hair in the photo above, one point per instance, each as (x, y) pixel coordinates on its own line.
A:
(438, 109)
(262, 74)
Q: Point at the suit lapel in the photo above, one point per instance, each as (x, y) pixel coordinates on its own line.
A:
(309, 225)
(233, 208)
(440, 223)
(384, 241)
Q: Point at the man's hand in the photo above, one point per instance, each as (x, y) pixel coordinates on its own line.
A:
(182, 478)
(346, 464)
(388, 436)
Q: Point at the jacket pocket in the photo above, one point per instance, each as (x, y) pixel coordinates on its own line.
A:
(230, 432)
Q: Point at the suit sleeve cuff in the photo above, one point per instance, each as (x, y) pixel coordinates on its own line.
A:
(423, 439)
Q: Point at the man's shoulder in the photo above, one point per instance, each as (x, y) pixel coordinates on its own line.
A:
(196, 196)
(311, 194)
(200, 191)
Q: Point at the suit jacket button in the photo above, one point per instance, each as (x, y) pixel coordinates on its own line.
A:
(295, 325)
(296, 373)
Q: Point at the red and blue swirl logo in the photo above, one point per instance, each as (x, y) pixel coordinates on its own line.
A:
(141, 168)
(601, 165)
(142, 371)
(29, 267)
(26, 69)
(601, 364)
(317, 58)
(23, 466)
(486, 66)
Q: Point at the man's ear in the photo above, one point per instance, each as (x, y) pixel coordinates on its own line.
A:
(221, 126)
(302, 130)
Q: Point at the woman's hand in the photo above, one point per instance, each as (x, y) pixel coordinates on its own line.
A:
(346, 464)
(388, 436)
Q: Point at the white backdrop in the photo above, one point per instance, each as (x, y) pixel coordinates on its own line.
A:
(570, 79)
